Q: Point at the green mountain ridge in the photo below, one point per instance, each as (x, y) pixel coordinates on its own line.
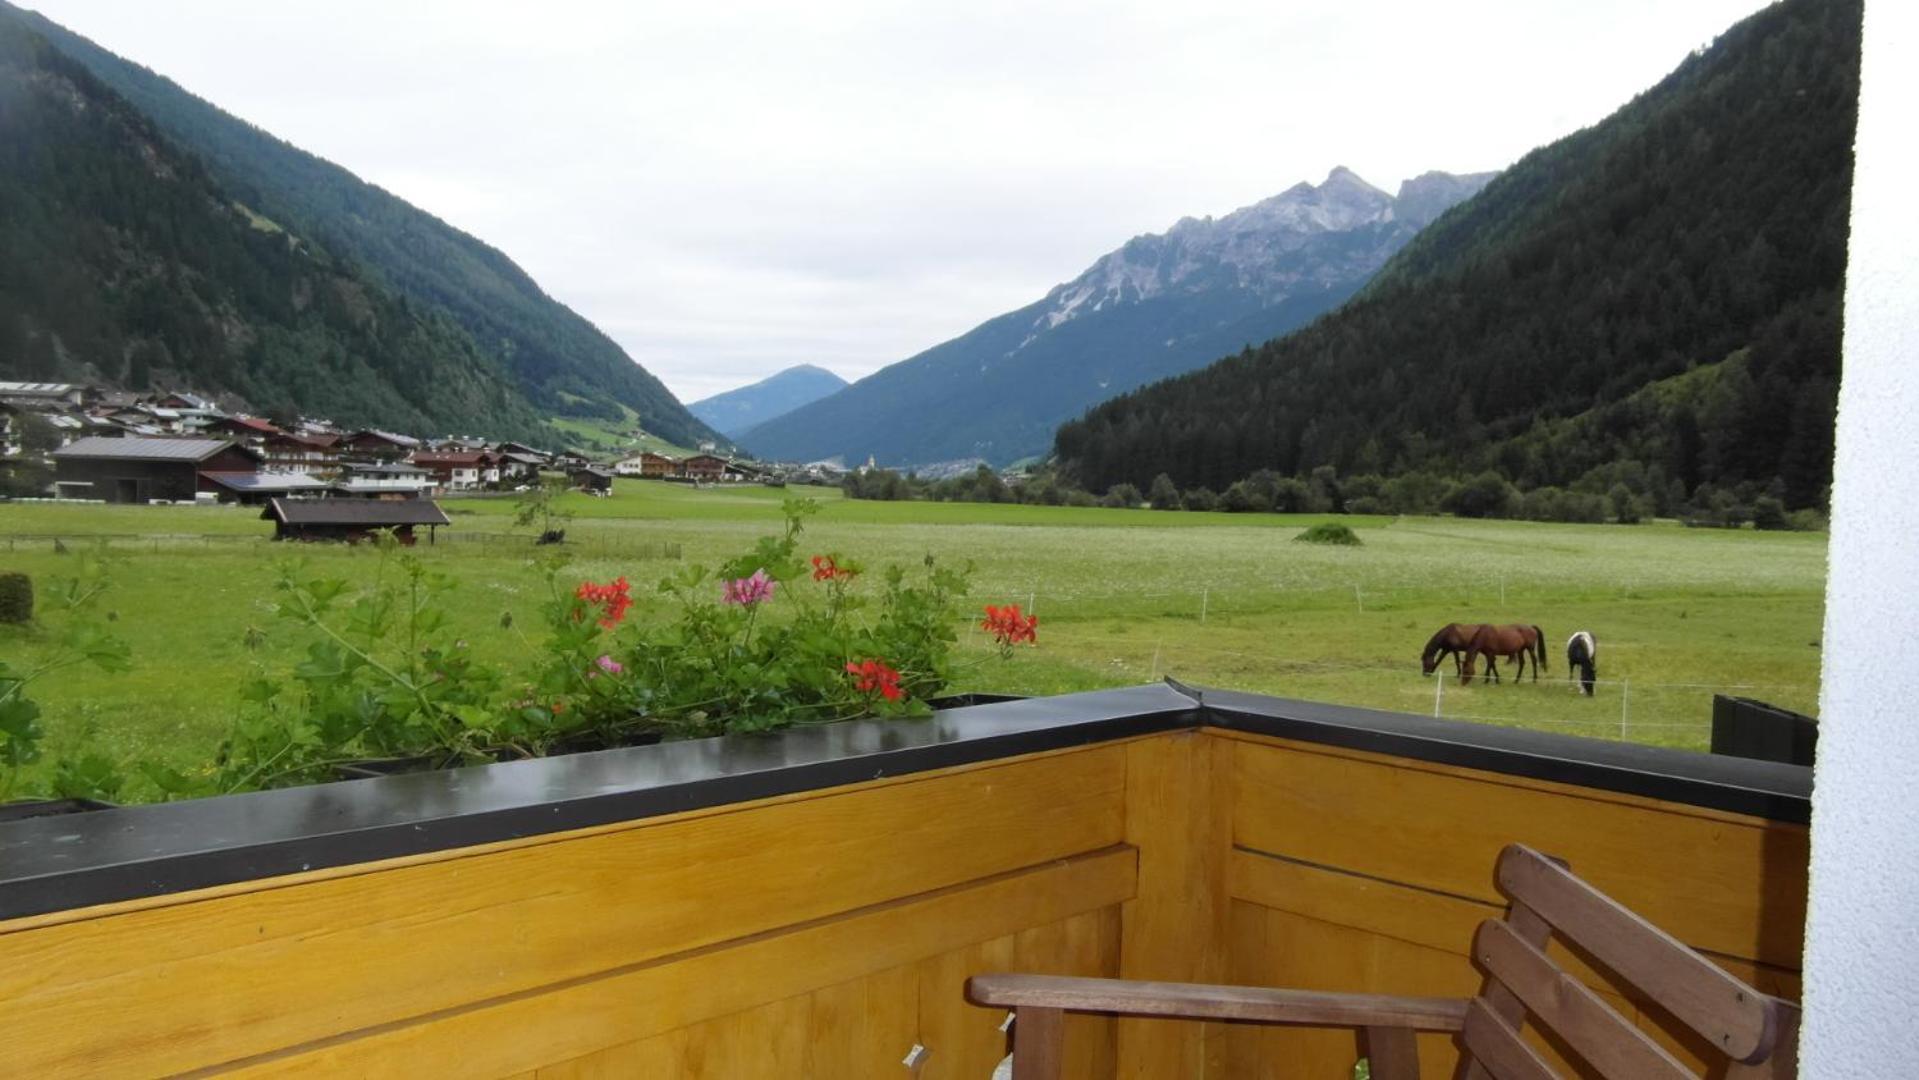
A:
(558, 361)
(123, 260)
(736, 411)
(1703, 224)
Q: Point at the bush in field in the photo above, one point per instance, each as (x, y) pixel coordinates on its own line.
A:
(1485, 495)
(1121, 497)
(1366, 504)
(1164, 494)
(1241, 498)
(16, 598)
(1807, 521)
(1769, 513)
(1200, 498)
(1076, 497)
(1329, 533)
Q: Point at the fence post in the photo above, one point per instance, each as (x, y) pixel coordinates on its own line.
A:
(1205, 594)
(1439, 691)
(1032, 601)
(1625, 695)
(1156, 661)
(1357, 602)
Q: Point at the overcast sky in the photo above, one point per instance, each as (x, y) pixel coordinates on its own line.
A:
(730, 189)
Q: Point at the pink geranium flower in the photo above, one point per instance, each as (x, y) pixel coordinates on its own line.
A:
(610, 665)
(748, 591)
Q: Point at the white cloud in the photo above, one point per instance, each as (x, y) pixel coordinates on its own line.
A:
(730, 189)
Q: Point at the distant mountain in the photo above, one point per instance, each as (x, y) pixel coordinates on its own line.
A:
(734, 411)
(1160, 305)
(558, 360)
(1700, 230)
(123, 260)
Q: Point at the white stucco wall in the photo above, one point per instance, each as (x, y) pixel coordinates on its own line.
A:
(1862, 933)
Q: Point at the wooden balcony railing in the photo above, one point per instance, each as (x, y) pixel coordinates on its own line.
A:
(811, 904)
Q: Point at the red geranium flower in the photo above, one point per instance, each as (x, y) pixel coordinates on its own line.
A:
(827, 567)
(611, 598)
(874, 675)
(1008, 626)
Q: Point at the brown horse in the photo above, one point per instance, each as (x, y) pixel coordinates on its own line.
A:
(1452, 638)
(1512, 640)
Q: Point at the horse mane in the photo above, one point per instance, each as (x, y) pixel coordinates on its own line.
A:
(1433, 643)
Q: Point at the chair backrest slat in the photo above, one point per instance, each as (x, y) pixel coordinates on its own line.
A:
(1608, 1042)
(1498, 1049)
(1738, 1020)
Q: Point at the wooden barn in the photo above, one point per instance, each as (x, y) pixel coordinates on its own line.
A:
(592, 479)
(353, 520)
(137, 470)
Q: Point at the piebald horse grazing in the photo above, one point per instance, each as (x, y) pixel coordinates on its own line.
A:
(1492, 642)
(1582, 655)
(1452, 638)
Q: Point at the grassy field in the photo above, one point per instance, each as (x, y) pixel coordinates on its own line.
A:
(1124, 596)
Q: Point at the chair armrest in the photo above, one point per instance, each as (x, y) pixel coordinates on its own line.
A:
(1196, 1001)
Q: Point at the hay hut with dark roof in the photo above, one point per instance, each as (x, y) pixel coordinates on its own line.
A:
(353, 520)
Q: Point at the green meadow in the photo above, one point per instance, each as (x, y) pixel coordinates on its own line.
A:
(1124, 597)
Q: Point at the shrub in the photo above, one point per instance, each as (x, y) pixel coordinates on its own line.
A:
(1807, 521)
(1769, 513)
(1121, 497)
(1485, 495)
(1076, 497)
(1241, 498)
(1328, 533)
(1366, 504)
(16, 598)
(1200, 498)
(1163, 495)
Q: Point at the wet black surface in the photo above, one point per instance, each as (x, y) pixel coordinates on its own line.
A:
(75, 860)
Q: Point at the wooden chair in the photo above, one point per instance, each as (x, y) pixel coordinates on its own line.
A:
(1756, 1032)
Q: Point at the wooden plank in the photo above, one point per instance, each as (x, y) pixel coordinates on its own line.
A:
(1737, 1019)
(126, 907)
(567, 1021)
(1039, 1043)
(866, 1026)
(1551, 787)
(1605, 1039)
(963, 1040)
(1201, 1001)
(1736, 889)
(660, 1056)
(1179, 809)
(192, 985)
(1392, 1054)
(1499, 1049)
(765, 1043)
(1082, 945)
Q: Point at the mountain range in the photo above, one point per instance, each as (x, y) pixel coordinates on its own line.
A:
(532, 357)
(1159, 305)
(1652, 302)
(735, 411)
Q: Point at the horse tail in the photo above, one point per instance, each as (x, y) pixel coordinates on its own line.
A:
(1539, 647)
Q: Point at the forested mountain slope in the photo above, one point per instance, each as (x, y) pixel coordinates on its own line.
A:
(122, 260)
(1702, 224)
(1161, 304)
(559, 361)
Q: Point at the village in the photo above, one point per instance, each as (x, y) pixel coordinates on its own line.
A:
(316, 480)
